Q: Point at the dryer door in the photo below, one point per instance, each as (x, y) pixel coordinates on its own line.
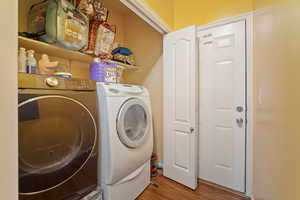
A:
(133, 123)
(57, 136)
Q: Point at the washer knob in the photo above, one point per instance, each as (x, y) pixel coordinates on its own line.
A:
(52, 81)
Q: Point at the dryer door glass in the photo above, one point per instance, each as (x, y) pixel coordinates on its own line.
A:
(57, 135)
(133, 123)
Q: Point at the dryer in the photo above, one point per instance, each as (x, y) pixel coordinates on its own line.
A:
(58, 137)
(127, 140)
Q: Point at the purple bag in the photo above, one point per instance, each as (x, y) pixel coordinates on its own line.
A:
(103, 72)
(97, 70)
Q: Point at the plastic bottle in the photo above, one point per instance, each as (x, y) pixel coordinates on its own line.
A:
(97, 70)
(22, 60)
(31, 62)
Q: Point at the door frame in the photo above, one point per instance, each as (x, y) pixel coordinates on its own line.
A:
(248, 18)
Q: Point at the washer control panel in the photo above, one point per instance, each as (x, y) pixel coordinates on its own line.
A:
(35, 81)
(113, 89)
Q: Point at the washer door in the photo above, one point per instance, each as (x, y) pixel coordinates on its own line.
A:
(133, 123)
(57, 136)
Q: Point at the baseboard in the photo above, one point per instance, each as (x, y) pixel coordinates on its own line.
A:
(219, 187)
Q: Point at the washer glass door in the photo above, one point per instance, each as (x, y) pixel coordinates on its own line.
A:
(133, 123)
(57, 135)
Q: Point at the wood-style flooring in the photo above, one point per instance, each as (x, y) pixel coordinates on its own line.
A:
(167, 189)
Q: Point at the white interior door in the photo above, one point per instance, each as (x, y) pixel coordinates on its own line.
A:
(180, 117)
(222, 99)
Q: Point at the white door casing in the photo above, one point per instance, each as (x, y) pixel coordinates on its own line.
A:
(180, 107)
(222, 131)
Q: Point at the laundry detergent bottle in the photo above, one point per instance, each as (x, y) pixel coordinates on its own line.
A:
(22, 60)
(31, 62)
(97, 70)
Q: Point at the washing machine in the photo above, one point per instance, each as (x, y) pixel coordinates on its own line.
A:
(127, 140)
(58, 138)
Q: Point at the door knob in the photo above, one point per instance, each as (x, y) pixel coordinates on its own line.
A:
(192, 129)
(240, 122)
(239, 108)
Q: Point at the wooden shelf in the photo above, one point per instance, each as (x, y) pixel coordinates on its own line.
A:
(52, 50)
(123, 65)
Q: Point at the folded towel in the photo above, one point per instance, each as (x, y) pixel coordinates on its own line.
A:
(122, 50)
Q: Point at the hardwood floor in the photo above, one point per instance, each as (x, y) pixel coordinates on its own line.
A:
(170, 190)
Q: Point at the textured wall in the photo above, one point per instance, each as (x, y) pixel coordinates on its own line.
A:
(8, 101)
(277, 97)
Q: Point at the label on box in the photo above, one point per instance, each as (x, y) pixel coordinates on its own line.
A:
(111, 75)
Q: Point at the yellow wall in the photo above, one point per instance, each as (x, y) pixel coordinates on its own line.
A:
(277, 99)
(8, 101)
(201, 12)
(164, 8)
(258, 4)
(179, 13)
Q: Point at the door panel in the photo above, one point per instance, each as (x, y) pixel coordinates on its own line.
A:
(181, 52)
(222, 90)
(180, 79)
(182, 150)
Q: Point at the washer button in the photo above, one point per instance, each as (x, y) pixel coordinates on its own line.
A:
(52, 82)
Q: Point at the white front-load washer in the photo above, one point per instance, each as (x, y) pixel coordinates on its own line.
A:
(126, 140)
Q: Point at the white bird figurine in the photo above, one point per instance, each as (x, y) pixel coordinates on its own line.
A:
(45, 66)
